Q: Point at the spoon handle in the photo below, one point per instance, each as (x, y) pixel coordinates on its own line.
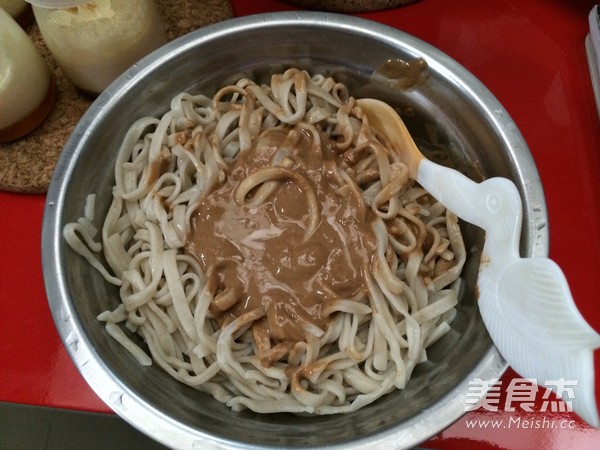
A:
(525, 303)
(530, 314)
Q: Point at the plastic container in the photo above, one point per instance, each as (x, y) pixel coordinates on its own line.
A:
(96, 41)
(26, 88)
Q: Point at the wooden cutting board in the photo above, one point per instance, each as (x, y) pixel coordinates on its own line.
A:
(27, 164)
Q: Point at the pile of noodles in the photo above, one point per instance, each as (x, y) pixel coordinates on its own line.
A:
(164, 167)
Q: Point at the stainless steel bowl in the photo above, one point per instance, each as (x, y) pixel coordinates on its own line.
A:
(465, 117)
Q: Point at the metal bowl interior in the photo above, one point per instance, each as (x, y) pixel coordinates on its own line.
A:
(468, 122)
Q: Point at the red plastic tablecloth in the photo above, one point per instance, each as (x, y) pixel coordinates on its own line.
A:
(531, 55)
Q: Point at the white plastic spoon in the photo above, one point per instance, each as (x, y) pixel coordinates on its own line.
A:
(525, 303)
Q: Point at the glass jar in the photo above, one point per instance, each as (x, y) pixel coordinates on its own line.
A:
(96, 41)
(26, 88)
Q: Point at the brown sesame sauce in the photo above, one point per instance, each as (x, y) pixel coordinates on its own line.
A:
(259, 256)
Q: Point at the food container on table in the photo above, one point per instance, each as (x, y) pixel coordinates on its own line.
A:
(26, 87)
(95, 41)
(450, 107)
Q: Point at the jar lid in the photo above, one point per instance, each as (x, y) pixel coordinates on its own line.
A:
(57, 4)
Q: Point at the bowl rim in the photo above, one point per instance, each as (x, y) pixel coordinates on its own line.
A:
(114, 392)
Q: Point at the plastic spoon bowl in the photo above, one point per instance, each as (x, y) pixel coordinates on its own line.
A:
(525, 303)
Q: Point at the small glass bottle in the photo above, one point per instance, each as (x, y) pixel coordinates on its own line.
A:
(95, 41)
(26, 87)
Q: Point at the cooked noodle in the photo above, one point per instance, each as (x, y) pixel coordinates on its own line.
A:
(369, 344)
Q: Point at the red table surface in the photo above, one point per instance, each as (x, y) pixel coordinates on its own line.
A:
(531, 55)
